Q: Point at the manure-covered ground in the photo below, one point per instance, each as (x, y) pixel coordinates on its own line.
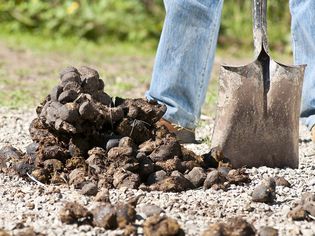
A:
(84, 163)
(26, 204)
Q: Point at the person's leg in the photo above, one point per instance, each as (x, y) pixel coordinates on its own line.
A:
(303, 40)
(184, 58)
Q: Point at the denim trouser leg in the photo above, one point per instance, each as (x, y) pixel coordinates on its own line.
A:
(184, 58)
(303, 39)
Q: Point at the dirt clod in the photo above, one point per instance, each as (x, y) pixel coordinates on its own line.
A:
(77, 178)
(305, 210)
(235, 226)
(160, 226)
(265, 191)
(197, 176)
(74, 213)
(281, 181)
(236, 176)
(172, 184)
(150, 210)
(104, 215)
(215, 180)
(9, 154)
(40, 174)
(297, 213)
(125, 178)
(156, 177)
(102, 195)
(126, 214)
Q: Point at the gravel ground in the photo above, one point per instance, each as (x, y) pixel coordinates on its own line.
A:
(25, 203)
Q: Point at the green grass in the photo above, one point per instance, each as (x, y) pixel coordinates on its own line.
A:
(30, 69)
(211, 97)
(17, 94)
(73, 45)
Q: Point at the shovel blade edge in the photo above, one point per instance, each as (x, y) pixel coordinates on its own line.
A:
(255, 127)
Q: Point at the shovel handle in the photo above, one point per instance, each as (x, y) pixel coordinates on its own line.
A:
(260, 26)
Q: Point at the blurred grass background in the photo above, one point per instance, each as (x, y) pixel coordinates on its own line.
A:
(117, 37)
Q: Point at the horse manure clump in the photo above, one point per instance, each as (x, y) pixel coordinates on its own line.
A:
(84, 137)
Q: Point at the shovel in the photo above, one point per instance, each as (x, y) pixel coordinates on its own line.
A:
(257, 122)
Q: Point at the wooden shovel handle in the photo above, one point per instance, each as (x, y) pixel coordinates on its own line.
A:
(260, 26)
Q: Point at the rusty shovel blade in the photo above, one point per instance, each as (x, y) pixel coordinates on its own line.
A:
(257, 121)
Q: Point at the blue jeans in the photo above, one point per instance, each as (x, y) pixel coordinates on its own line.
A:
(186, 52)
(184, 58)
(303, 42)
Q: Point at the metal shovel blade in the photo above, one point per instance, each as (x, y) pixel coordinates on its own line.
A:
(257, 122)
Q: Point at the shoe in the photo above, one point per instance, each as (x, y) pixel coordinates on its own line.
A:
(183, 135)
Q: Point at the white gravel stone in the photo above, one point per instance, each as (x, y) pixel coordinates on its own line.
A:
(194, 209)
